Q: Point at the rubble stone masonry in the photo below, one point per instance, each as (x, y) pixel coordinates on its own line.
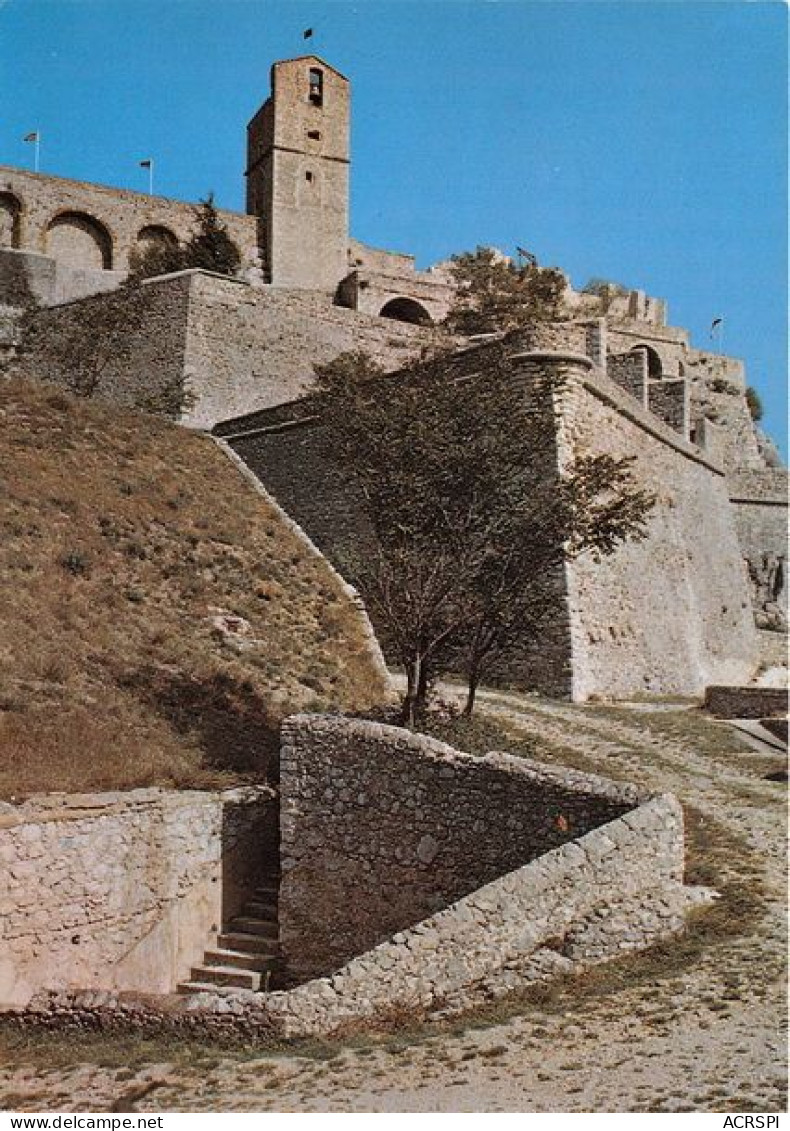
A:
(381, 828)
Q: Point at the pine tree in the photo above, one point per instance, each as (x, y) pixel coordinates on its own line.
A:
(211, 247)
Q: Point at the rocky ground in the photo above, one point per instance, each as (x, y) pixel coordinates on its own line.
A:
(695, 1026)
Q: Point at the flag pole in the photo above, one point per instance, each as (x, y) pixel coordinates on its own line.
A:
(149, 165)
(35, 137)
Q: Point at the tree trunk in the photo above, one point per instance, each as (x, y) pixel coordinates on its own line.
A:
(422, 686)
(411, 701)
(472, 682)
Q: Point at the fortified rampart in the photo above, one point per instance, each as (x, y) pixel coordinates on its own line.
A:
(210, 350)
(667, 614)
(759, 501)
(97, 228)
(231, 347)
(670, 613)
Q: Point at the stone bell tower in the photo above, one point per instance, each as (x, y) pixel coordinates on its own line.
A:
(298, 174)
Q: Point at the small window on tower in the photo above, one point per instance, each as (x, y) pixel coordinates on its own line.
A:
(316, 86)
(308, 175)
(314, 135)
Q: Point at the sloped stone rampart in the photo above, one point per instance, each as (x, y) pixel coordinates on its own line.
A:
(137, 346)
(120, 891)
(381, 828)
(251, 348)
(671, 613)
(219, 346)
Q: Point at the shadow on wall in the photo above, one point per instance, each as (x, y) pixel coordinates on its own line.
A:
(250, 848)
(228, 717)
(15, 285)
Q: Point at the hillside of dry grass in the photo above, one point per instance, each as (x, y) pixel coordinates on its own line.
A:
(157, 618)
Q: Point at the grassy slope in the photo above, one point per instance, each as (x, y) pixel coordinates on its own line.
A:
(121, 536)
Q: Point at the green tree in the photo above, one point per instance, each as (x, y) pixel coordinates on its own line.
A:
(158, 258)
(210, 247)
(495, 294)
(467, 519)
(754, 404)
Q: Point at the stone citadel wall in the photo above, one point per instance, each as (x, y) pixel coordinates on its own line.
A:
(97, 227)
(759, 500)
(673, 612)
(232, 348)
(667, 614)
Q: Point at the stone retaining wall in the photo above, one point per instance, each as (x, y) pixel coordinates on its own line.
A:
(616, 889)
(407, 811)
(381, 828)
(745, 702)
(519, 928)
(121, 890)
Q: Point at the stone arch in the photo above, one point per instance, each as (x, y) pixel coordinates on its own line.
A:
(655, 368)
(406, 310)
(156, 235)
(10, 220)
(78, 240)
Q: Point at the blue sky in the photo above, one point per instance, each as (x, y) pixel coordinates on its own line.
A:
(637, 141)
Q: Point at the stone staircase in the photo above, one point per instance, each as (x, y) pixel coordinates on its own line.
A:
(246, 954)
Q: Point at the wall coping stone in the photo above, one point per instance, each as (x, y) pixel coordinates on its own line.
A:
(611, 394)
(40, 808)
(574, 781)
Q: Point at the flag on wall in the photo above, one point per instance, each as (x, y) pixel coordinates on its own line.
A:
(34, 136)
(307, 33)
(146, 164)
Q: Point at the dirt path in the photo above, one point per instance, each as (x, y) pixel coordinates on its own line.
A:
(697, 1028)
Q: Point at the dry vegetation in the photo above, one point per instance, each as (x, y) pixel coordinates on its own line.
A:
(122, 538)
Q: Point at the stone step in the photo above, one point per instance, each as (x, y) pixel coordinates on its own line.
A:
(242, 959)
(267, 893)
(250, 925)
(260, 909)
(227, 976)
(250, 944)
(203, 988)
